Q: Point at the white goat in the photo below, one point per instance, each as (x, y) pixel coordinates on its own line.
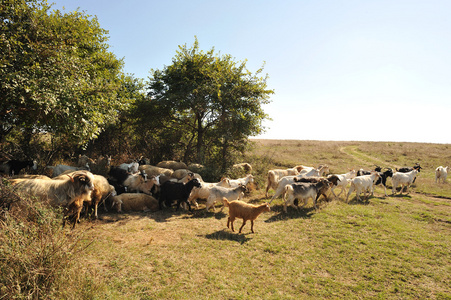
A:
(314, 172)
(364, 183)
(403, 179)
(243, 181)
(284, 181)
(343, 180)
(203, 192)
(441, 173)
(132, 167)
(302, 191)
(217, 193)
(139, 182)
(274, 176)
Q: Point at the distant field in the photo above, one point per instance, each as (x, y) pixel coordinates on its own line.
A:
(389, 248)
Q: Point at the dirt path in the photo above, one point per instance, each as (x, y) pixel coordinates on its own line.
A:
(364, 158)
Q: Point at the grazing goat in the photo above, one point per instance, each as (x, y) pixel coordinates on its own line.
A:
(170, 191)
(245, 211)
(403, 179)
(275, 175)
(13, 167)
(218, 192)
(69, 192)
(243, 181)
(204, 191)
(363, 183)
(303, 191)
(441, 173)
(135, 202)
(343, 180)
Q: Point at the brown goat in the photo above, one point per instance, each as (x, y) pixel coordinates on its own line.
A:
(245, 211)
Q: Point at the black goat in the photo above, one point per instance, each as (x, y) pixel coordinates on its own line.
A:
(170, 191)
(383, 179)
(13, 167)
(119, 175)
(364, 172)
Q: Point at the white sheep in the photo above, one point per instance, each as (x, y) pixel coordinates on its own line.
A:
(441, 173)
(245, 211)
(134, 202)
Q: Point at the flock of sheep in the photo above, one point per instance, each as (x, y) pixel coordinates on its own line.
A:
(143, 187)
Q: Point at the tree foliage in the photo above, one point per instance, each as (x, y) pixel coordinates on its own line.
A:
(56, 73)
(206, 103)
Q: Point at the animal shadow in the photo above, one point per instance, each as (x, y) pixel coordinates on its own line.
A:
(292, 213)
(228, 235)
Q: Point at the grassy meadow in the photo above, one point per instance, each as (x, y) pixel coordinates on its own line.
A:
(396, 247)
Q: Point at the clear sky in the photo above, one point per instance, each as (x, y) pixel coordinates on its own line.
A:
(342, 70)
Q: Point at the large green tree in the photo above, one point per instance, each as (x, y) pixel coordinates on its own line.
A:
(207, 104)
(56, 73)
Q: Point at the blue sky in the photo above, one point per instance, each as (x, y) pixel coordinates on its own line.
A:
(341, 70)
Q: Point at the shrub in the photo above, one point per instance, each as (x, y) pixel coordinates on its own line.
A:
(37, 258)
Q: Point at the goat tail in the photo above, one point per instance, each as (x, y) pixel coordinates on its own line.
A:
(225, 201)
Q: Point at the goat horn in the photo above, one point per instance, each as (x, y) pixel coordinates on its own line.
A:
(71, 178)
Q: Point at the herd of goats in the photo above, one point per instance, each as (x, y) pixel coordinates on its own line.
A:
(138, 186)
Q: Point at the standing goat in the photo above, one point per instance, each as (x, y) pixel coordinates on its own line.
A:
(245, 211)
(441, 173)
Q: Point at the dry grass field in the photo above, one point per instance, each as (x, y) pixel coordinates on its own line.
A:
(396, 247)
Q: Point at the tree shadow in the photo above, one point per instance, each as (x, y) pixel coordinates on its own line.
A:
(228, 235)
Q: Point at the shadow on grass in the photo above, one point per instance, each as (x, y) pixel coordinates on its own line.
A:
(228, 235)
(292, 213)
